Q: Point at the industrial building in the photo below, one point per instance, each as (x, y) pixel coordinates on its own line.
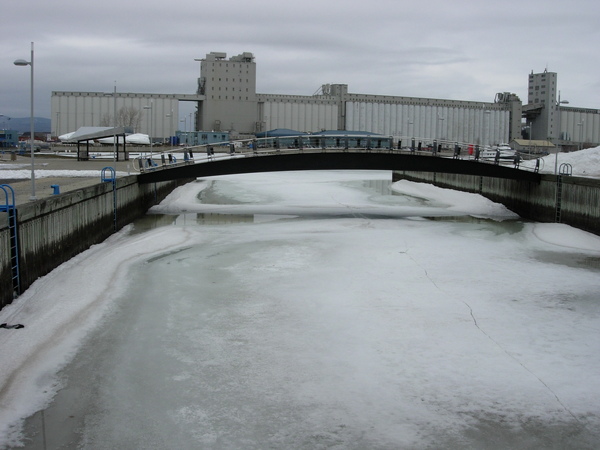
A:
(9, 138)
(547, 118)
(227, 100)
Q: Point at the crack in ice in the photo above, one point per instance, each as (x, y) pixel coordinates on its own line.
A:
(548, 388)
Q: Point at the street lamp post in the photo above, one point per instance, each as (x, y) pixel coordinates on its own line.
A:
(114, 122)
(441, 119)
(150, 127)
(115, 137)
(22, 62)
(170, 116)
(488, 132)
(558, 103)
(530, 133)
(184, 121)
(580, 125)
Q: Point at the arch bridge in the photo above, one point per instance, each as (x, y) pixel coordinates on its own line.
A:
(230, 160)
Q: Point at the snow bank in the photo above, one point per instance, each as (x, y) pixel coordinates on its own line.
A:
(11, 172)
(58, 311)
(585, 163)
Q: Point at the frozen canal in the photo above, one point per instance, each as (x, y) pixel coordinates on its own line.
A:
(309, 311)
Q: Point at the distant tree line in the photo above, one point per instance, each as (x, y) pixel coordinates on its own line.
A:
(127, 116)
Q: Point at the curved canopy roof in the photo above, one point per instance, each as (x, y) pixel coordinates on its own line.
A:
(346, 133)
(279, 132)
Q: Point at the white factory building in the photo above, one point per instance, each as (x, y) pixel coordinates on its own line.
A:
(226, 100)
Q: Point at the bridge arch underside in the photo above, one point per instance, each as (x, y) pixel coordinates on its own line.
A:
(337, 161)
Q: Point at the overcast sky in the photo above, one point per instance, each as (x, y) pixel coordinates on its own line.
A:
(460, 49)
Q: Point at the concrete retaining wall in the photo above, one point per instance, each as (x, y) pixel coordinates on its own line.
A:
(53, 230)
(579, 205)
(6, 291)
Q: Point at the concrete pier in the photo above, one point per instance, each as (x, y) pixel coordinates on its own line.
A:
(566, 199)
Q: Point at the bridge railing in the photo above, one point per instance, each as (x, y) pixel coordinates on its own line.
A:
(205, 153)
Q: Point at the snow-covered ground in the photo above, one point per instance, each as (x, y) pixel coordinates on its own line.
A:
(23, 172)
(337, 317)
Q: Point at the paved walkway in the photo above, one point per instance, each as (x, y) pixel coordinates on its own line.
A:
(43, 184)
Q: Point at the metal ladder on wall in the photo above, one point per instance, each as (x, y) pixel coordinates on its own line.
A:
(9, 207)
(565, 169)
(108, 175)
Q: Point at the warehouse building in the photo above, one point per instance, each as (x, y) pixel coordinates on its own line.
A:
(226, 100)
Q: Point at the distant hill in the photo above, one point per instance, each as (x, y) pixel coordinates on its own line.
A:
(40, 124)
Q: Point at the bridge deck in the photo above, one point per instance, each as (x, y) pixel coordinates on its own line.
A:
(332, 159)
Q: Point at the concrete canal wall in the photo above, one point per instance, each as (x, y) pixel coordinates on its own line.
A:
(53, 230)
(577, 203)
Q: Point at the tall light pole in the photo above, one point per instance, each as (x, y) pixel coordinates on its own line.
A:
(22, 62)
(115, 145)
(150, 108)
(441, 119)
(266, 130)
(114, 120)
(530, 133)
(580, 125)
(488, 113)
(558, 103)
(184, 121)
(170, 116)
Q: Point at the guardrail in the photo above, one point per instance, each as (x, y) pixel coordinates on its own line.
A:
(206, 153)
